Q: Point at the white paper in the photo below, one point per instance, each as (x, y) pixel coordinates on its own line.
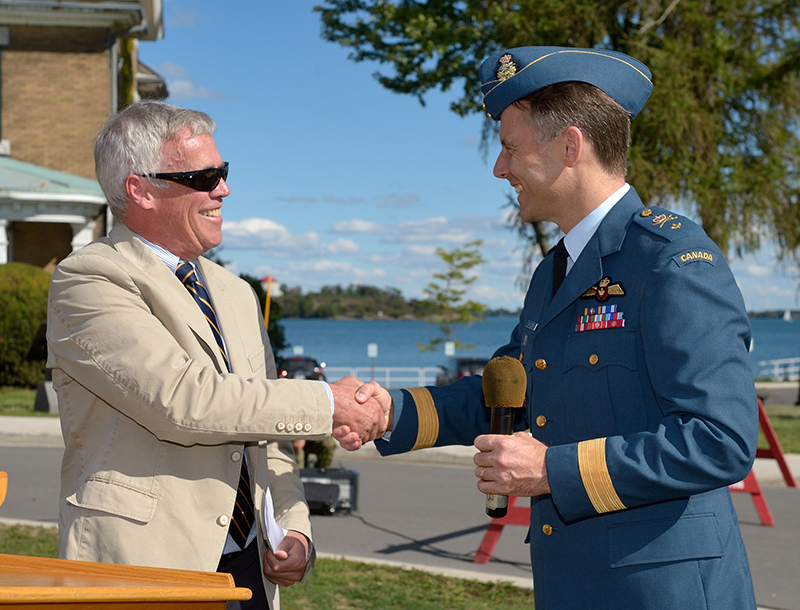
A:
(275, 533)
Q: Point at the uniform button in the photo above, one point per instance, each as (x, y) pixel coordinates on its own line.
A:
(593, 359)
(541, 364)
(236, 456)
(307, 427)
(541, 420)
(281, 426)
(547, 529)
(223, 520)
(290, 427)
(646, 212)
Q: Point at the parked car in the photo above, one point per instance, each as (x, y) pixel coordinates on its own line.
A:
(301, 367)
(462, 367)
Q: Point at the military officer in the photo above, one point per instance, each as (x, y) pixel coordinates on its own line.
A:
(641, 403)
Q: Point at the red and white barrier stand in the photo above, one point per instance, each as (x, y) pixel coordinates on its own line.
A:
(774, 451)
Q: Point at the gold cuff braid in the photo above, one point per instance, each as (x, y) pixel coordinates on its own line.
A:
(428, 427)
(595, 476)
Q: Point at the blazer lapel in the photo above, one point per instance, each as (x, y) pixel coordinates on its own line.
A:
(173, 290)
(588, 269)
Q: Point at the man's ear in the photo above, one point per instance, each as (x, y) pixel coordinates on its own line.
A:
(573, 146)
(138, 190)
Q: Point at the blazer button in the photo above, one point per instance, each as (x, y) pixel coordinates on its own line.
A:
(281, 426)
(593, 359)
(298, 426)
(290, 427)
(223, 520)
(540, 364)
(307, 427)
(547, 529)
(541, 421)
(236, 456)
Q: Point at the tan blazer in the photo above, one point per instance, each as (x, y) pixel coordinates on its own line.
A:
(154, 425)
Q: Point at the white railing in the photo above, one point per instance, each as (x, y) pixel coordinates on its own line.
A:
(786, 369)
(388, 377)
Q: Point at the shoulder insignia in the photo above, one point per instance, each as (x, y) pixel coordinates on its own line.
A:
(694, 256)
(603, 290)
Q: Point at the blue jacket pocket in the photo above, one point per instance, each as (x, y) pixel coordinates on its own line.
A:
(664, 540)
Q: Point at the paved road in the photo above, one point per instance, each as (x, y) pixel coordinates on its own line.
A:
(430, 515)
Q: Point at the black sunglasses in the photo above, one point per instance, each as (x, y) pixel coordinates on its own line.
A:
(199, 179)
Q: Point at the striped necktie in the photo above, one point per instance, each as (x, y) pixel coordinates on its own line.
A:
(243, 514)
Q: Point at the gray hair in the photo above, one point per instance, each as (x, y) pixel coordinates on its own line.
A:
(130, 143)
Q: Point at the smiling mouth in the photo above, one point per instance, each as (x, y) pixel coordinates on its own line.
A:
(518, 189)
(215, 213)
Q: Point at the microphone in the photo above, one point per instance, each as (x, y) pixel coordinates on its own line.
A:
(504, 384)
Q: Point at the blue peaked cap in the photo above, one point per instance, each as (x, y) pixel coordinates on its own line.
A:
(508, 76)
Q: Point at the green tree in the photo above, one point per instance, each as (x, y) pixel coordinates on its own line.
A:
(719, 135)
(277, 336)
(446, 294)
(23, 308)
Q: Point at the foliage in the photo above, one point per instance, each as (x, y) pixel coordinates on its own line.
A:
(355, 301)
(446, 294)
(718, 137)
(23, 308)
(277, 336)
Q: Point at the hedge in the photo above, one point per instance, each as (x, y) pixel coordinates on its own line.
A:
(23, 308)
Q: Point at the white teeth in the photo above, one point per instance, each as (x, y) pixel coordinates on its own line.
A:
(215, 212)
(518, 188)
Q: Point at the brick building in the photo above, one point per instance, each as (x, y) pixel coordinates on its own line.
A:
(65, 67)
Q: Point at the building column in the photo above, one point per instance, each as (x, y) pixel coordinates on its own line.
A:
(82, 234)
(5, 244)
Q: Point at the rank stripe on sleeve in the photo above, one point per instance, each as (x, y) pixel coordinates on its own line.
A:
(428, 429)
(595, 476)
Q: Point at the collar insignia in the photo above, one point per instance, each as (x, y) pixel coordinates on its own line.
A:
(603, 290)
(507, 69)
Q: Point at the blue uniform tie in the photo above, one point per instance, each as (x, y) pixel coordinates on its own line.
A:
(559, 265)
(243, 514)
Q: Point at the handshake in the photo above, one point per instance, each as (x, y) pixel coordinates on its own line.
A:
(362, 412)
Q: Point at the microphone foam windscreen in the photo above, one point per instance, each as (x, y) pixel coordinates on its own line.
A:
(504, 383)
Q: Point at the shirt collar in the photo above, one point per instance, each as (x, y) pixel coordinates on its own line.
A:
(575, 241)
(168, 258)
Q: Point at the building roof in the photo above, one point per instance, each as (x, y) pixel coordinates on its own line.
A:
(32, 192)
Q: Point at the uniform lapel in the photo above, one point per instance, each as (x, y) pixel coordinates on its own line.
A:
(588, 269)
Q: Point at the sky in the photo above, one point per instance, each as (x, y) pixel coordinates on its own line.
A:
(336, 180)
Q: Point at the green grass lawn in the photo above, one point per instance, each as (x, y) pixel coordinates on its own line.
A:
(20, 401)
(338, 584)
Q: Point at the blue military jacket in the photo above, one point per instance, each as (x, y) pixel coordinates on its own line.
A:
(640, 383)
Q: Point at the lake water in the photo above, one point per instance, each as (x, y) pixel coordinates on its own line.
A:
(343, 343)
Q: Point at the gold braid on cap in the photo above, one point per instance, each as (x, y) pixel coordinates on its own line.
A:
(595, 476)
(428, 426)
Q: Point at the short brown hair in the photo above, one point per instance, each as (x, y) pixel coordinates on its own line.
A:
(605, 124)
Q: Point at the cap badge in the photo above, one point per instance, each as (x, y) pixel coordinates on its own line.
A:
(604, 289)
(507, 69)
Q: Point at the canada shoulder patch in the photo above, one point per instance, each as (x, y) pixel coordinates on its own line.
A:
(695, 256)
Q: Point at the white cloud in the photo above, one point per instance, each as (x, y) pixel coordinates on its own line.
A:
(183, 89)
(356, 226)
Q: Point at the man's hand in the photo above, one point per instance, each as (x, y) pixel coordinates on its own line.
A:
(362, 418)
(287, 564)
(511, 465)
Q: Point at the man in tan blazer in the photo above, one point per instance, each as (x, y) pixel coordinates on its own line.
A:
(157, 411)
